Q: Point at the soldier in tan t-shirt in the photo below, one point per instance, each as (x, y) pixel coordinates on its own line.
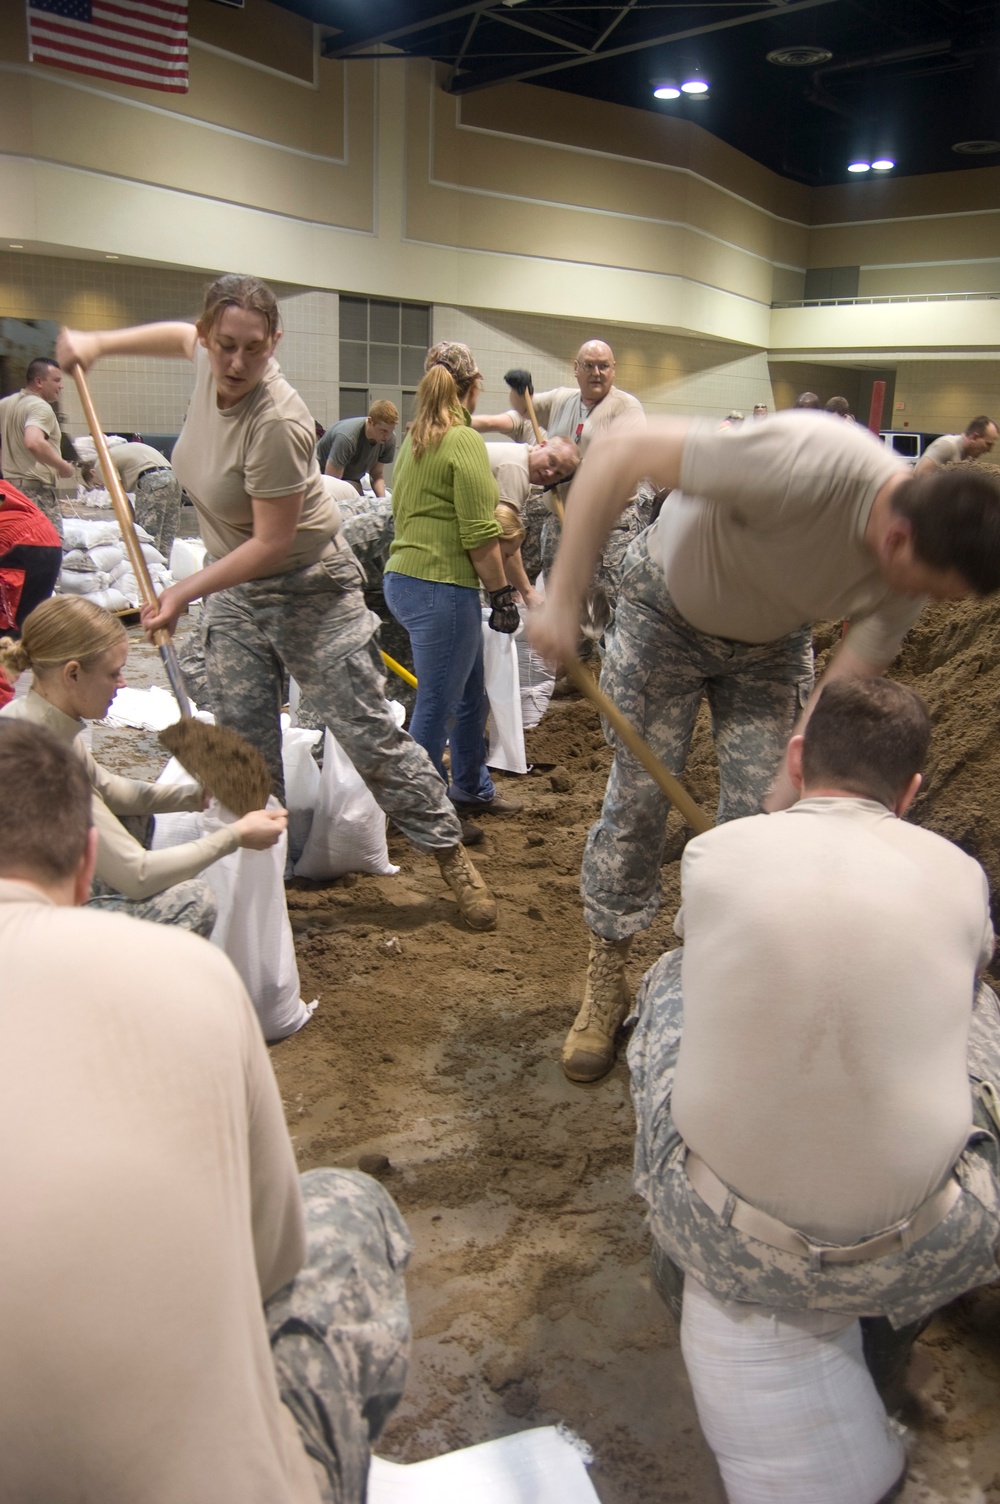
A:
(774, 526)
(808, 1069)
(29, 439)
(185, 1318)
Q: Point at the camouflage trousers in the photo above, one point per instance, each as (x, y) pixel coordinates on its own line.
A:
(340, 1331)
(158, 507)
(657, 668)
(190, 905)
(957, 1255)
(45, 500)
(314, 624)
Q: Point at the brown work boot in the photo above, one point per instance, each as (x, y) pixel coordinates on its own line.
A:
(476, 903)
(589, 1051)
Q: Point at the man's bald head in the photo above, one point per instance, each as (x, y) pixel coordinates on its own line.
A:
(594, 369)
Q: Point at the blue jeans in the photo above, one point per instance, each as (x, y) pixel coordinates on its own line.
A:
(444, 623)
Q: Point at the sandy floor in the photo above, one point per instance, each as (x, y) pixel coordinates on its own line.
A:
(438, 1050)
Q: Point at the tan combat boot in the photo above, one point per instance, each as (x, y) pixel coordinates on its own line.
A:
(589, 1051)
(476, 903)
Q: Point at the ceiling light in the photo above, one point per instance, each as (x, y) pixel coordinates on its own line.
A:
(694, 86)
(976, 148)
(882, 164)
(15, 246)
(859, 166)
(799, 57)
(110, 256)
(666, 91)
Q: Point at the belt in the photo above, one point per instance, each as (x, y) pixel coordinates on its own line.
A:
(152, 470)
(734, 1212)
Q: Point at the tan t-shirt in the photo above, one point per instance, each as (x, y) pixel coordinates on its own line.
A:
(829, 970)
(509, 463)
(265, 446)
(133, 460)
(150, 1205)
(948, 449)
(766, 533)
(561, 412)
(122, 862)
(16, 412)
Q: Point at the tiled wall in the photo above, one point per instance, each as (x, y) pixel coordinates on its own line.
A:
(942, 396)
(134, 393)
(669, 373)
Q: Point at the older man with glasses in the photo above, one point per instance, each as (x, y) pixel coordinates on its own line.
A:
(577, 413)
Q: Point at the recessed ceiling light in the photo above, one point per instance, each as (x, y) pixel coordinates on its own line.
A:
(883, 164)
(110, 256)
(15, 246)
(976, 148)
(666, 91)
(859, 166)
(694, 86)
(799, 57)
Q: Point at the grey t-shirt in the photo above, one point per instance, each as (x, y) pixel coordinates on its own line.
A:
(946, 449)
(347, 445)
(766, 533)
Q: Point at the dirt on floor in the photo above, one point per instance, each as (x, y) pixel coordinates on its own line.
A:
(433, 1057)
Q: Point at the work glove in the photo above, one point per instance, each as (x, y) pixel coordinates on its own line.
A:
(520, 382)
(504, 615)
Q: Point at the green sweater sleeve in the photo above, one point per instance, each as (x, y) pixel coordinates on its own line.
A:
(475, 491)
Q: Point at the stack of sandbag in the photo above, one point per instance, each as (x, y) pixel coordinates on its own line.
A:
(96, 565)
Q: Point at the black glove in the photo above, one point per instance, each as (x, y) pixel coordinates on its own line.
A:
(504, 615)
(520, 382)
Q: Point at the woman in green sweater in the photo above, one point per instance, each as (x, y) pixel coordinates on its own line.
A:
(447, 542)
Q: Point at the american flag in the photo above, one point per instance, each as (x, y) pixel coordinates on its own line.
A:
(142, 42)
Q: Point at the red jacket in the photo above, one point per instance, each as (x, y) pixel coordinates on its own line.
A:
(20, 522)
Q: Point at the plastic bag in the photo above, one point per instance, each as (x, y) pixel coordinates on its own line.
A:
(536, 677)
(503, 689)
(786, 1403)
(302, 783)
(348, 828)
(252, 925)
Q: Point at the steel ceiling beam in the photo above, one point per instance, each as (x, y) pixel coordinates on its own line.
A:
(338, 47)
(488, 78)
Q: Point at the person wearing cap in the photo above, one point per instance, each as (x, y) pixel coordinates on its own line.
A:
(446, 545)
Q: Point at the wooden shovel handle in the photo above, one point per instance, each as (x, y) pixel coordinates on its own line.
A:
(529, 403)
(119, 500)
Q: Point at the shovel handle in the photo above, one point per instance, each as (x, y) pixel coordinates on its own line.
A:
(675, 791)
(119, 500)
(529, 403)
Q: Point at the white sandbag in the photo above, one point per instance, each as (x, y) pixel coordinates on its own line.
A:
(302, 783)
(76, 582)
(108, 556)
(112, 600)
(151, 553)
(503, 690)
(79, 562)
(348, 828)
(252, 926)
(536, 679)
(79, 532)
(186, 557)
(787, 1404)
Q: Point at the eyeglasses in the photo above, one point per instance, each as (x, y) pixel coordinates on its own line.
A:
(602, 367)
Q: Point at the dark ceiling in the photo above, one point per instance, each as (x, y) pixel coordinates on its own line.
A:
(908, 81)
